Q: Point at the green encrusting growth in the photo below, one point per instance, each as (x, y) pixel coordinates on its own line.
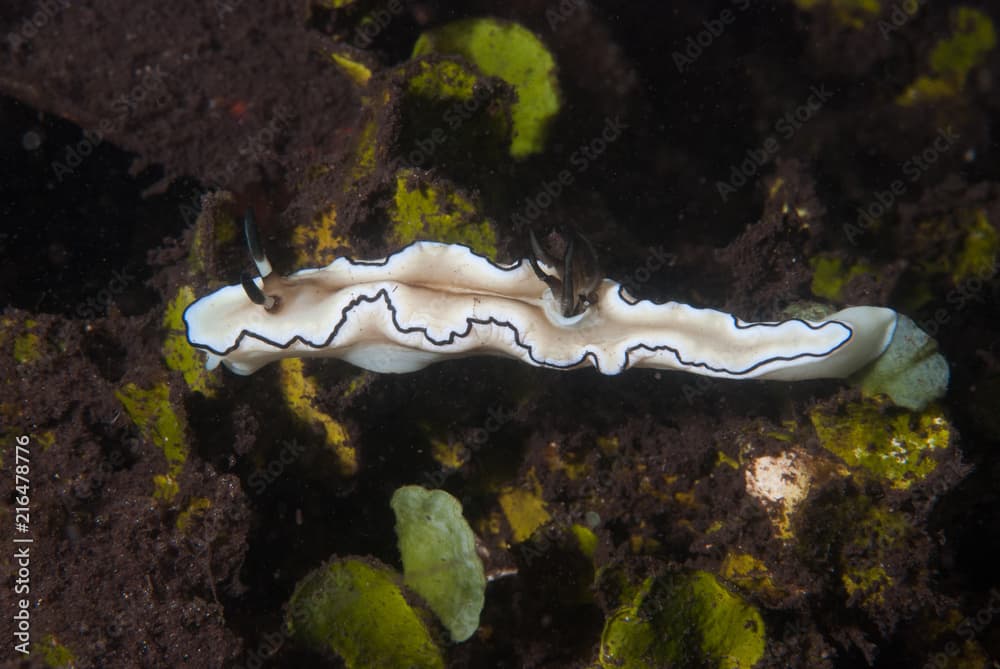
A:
(356, 610)
(356, 70)
(437, 211)
(27, 345)
(978, 258)
(53, 653)
(862, 541)
(960, 248)
(830, 276)
(155, 417)
(973, 36)
(212, 231)
(683, 620)
(179, 355)
(894, 447)
(853, 13)
(440, 562)
(26, 348)
(750, 574)
(952, 58)
(511, 52)
(196, 507)
(442, 80)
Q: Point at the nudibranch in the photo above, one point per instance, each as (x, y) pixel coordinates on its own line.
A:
(431, 301)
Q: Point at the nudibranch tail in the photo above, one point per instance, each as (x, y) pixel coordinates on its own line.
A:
(431, 302)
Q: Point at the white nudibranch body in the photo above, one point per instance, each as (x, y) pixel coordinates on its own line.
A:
(431, 301)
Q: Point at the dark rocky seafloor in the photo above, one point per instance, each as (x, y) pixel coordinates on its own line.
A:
(754, 155)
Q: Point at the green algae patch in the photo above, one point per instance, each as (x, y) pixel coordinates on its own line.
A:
(443, 80)
(353, 68)
(586, 540)
(214, 228)
(178, 354)
(684, 620)
(524, 509)
(894, 447)
(978, 257)
(357, 610)
(319, 242)
(27, 344)
(450, 111)
(440, 562)
(153, 414)
(27, 348)
(865, 543)
(195, 508)
(46, 440)
(952, 58)
(721, 459)
(831, 276)
(867, 583)
(337, 4)
(365, 151)
(514, 54)
(379, 110)
(852, 13)
(357, 384)
(973, 36)
(937, 631)
(451, 455)
(960, 248)
(300, 392)
(438, 211)
(910, 372)
(53, 653)
(750, 574)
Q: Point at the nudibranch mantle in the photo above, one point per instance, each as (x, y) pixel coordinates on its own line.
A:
(430, 301)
